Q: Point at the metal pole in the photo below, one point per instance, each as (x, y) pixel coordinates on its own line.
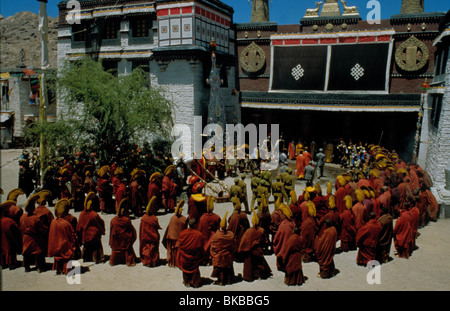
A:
(43, 29)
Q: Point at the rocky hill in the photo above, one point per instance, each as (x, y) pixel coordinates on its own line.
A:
(21, 31)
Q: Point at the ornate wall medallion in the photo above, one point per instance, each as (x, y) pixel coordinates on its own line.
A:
(412, 55)
(253, 58)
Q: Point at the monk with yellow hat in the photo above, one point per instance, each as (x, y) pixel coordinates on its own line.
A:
(177, 223)
(149, 235)
(223, 245)
(11, 237)
(251, 250)
(208, 224)
(309, 230)
(348, 229)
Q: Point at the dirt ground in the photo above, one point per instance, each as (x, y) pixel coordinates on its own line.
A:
(428, 269)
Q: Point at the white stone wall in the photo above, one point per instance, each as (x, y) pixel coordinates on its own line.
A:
(439, 149)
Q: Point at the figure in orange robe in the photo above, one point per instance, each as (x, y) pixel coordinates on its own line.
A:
(62, 238)
(325, 250)
(359, 210)
(428, 206)
(176, 224)
(285, 230)
(154, 190)
(122, 236)
(90, 229)
(367, 240)
(300, 166)
(149, 235)
(208, 224)
(238, 224)
(403, 236)
(190, 255)
(385, 236)
(169, 189)
(348, 229)
(223, 246)
(11, 237)
(308, 232)
(291, 150)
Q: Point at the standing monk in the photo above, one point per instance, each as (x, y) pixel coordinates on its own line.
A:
(251, 249)
(207, 225)
(292, 259)
(223, 245)
(359, 210)
(149, 235)
(190, 254)
(11, 237)
(62, 238)
(169, 189)
(283, 233)
(34, 237)
(154, 190)
(308, 232)
(90, 229)
(348, 229)
(385, 237)
(367, 240)
(104, 190)
(238, 223)
(326, 247)
(122, 237)
(176, 224)
(300, 166)
(403, 237)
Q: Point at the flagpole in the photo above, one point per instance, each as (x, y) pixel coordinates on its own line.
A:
(43, 29)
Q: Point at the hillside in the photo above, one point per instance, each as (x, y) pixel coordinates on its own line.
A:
(21, 31)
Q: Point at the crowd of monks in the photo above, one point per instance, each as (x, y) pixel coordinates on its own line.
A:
(357, 209)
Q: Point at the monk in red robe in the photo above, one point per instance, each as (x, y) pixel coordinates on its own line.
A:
(11, 237)
(121, 193)
(105, 190)
(149, 236)
(308, 233)
(292, 259)
(122, 236)
(251, 249)
(154, 190)
(291, 150)
(62, 238)
(359, 210)
(385, 236)
(367, 240)
(34, 237)
(403, 236)
(197, 203)
(207, 225)
(169, 189)
(223, 246)
(238, 223)
(332, 214)
(295, 209)
(176, 224)
(325, 250)
(190, 255)
(340, 193)
(90, 229)
(15, 212)
(428, 206)
(137, 197)
(348, 229)
(285, 230)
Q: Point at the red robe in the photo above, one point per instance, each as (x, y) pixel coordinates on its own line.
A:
(292, 260)
(296, 213)
(291, 151)
(326, 247)
(190, 250)
(11, 242)
(360, 212)
(149, 240)
(285, 230)
(176, 224)
(120, 194)
(385, 238)
(169, 194)
(276, 218)
(223, 245)
(251, 249)
(208, 225)
(340, 194)
(308, 233)
(90, 229)
(300, 166)
(122, 236)
(348, 231)
(61, 244)
(238, 223)
(105, 193)
(34, 240)
(138, 201)
(320, 202)
(154, 189)
(367, 240)
(403, 236)
(428, 205)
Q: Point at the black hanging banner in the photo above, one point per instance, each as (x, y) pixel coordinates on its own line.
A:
(299, 68)
(358, 67)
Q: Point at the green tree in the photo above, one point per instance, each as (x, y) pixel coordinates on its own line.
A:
(99, 109)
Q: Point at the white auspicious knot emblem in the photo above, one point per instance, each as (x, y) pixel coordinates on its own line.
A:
(298, 72)
(357, 72)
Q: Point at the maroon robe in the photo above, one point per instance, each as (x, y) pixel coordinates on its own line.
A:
(169, 193)
(90, 229)
(340, 194)
(176, 224)
(366, 241)
(292, 260)
(11, 242)
(279, 241)
(384, 238)
(403, 236)
(189, 255)
(348, 231)
(238, 223)
(251, 250)
(359, 210)
(308, 233)
(154, 190)
(34, 239)
(208, 225)
(61, 244)
(149, 240)
(104, 191)
(223, 245)
(326, 248)
(121, 239)
(138, 201)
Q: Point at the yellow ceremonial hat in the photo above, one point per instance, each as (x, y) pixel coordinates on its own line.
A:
(179, 207)
(223, 221)
(43, 195)
(294, 198)
(61, 207)
(311, 208)
(88, 200)
(348, 201)
(332, 202)
(13, 194)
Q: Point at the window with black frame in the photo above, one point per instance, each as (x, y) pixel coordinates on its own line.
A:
(111, 29)
(436, 109)
(140, 26)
